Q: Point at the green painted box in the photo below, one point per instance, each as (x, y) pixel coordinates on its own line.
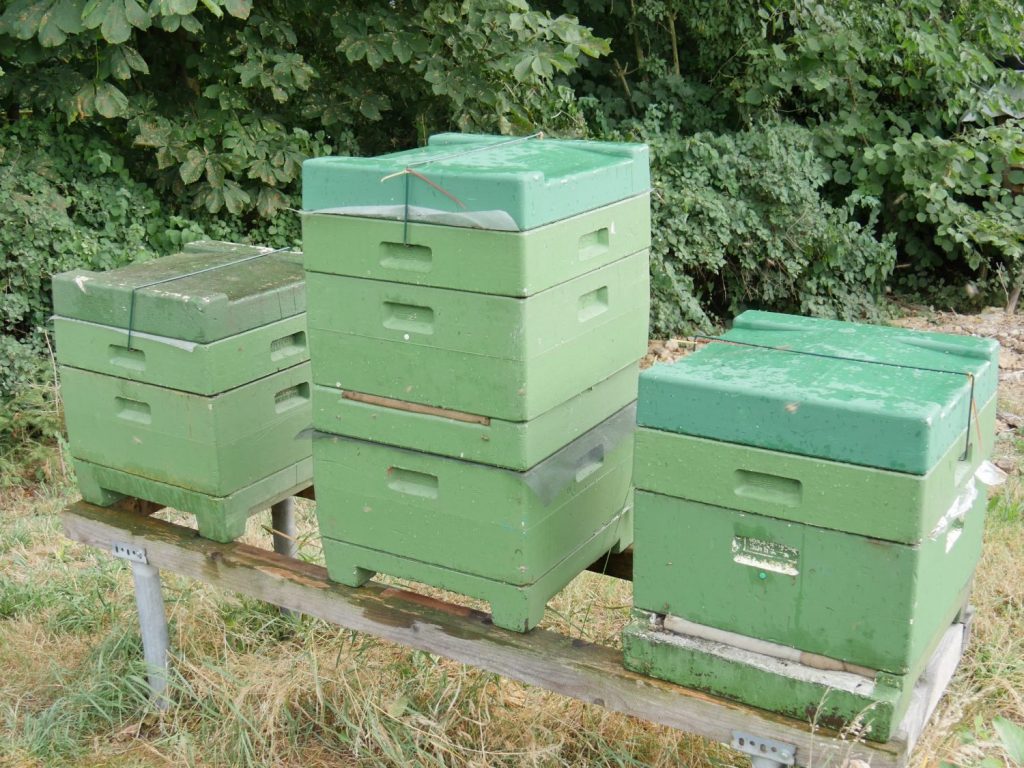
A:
(203, 369)
(495, 356)
(484, 531)
(489, 182)
(898, 401)
(212, 445)
(895, 506)
(217, 302)
(871, 707)
(482, 261)
(877, 604)
(511, 444)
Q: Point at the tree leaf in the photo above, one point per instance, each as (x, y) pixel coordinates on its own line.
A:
(192, 168)
(110, 101)
(240, 9)
(137, 16)
(115, 27)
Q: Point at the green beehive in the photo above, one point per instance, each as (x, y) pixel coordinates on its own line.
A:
(809, 484)
(186, 381)
(477, 260)
(901, 410)
(511, 538)
(494, 356)
(488, 182)
(512, 444)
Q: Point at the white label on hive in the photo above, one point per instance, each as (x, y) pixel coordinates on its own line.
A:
(766, 555)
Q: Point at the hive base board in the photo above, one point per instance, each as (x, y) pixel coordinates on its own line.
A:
(841, 701)
(220, 518)
(515, 607)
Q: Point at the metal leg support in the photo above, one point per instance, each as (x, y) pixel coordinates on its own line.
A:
(153, 624)
(282, 520)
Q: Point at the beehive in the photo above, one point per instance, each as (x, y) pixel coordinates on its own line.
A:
(810, 484)
(186, 381)
(477, 309)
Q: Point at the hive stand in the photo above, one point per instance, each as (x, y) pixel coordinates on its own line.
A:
(586, 671)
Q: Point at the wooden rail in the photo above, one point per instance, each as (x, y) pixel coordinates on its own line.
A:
(581, 670)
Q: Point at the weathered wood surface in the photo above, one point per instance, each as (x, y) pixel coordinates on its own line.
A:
(572, 667)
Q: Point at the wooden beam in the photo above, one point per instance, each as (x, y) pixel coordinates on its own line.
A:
(549, 660)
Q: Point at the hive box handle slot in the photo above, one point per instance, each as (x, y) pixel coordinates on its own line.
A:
(412, 483)
(590, 463)
(288, 346)
(594, 243)
(408, 258)
(408, 317)
(129, 359)
(132, 410)
(771, 489)
(593, 303)
(291, 397)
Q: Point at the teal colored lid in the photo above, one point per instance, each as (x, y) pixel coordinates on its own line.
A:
(198, 295)
(865, 394)
(489, 182)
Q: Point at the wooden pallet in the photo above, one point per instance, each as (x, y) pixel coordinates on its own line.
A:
(585, 671)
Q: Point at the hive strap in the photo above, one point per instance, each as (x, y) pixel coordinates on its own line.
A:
(972, 407)
(137, 288)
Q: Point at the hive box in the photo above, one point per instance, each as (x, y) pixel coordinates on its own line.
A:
(882, 504)
(516, 264)
(489, 182)
(513, 539)
(185, 389)
(872, 603)
(494, 356)
(511, 444)
(203, 369)
(903, 415)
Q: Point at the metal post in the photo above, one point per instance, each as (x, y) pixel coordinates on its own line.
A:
(282, 521)
(153, 625)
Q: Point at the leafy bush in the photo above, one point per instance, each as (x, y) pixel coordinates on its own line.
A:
(739, 222)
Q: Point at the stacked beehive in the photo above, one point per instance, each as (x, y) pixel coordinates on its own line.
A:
(807, 518)
(477, 310)
(186, 381)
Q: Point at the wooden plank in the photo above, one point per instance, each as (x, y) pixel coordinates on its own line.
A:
(405, 405)
(574, 668)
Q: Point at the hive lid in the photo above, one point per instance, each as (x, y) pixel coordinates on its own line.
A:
(488, 182)
(198, 295)
(861, 396)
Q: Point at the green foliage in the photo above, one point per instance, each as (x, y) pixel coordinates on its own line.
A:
(742, 224)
